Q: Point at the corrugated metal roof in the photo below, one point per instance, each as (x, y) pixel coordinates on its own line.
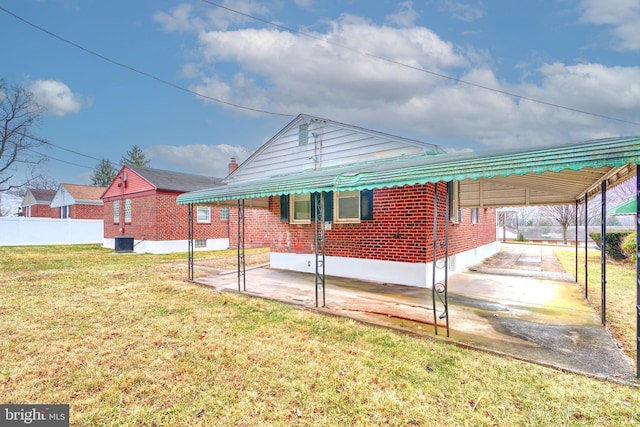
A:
(422, 169)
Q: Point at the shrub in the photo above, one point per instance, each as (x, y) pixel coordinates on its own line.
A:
(520, 238)
(614, 242)
(629, 245)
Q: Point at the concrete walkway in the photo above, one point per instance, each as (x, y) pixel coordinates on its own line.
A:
(517, 303)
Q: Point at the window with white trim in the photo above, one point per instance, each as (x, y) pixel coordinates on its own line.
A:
(116, 211)
(346, 206)
(127, 210)
(65, 212)
(453, 190)
(475, 215)
(300, 206)
(204, 214)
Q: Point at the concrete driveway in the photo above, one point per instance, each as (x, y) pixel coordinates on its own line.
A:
(517, 303)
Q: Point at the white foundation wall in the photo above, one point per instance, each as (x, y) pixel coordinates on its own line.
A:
(169, 246)
(402, 273)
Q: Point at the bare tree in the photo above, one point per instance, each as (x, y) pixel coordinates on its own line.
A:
(565, 215)
(18, 114)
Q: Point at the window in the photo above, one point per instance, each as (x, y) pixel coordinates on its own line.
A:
(347, 206)
(453, 193)
(200, 243)
(224, 214)
(204, 214)
(127, 210)
(475, 215)
(116, 211)
(65, 211)
(300, 208)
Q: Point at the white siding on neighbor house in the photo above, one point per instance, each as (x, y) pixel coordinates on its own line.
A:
(62, 198)
(329, 144)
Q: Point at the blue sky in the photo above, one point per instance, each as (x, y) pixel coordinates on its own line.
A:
(581, 54)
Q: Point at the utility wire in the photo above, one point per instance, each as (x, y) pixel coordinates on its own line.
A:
(58, 160)
(423, 70)
(45, 142)
(143, 73)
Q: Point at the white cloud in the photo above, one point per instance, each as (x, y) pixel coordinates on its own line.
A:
(621, 15)
(463, 10)
(305, 4)
(56, 97)
(200, 159)
(338, 74)
(405, 16)
(185, 17)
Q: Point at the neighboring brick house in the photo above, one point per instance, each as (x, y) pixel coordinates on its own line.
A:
(371, 232)
(141, 203)
(37, 203)
(78, 201)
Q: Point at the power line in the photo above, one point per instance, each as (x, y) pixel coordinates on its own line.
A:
(143, 73)
(58, 160)
(424, 70)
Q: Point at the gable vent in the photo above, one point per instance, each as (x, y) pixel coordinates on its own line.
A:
(303, 134)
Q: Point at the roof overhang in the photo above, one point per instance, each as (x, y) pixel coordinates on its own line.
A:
(540, 176)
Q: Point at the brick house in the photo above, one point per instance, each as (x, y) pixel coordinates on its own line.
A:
(371, 232)
(141, 203)
(37, 203)
(78, 201)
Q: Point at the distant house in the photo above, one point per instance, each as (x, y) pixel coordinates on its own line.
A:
(78, 201)
(37, 203)
(141, 203)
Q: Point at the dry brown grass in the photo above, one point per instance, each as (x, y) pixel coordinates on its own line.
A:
(126, 341)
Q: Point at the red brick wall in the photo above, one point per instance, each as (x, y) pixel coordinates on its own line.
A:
(42, 211)
(158, 217)
(259, 226)
(401, 229)
(86, 212)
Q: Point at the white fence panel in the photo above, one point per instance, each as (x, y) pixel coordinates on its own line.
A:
(22, 231)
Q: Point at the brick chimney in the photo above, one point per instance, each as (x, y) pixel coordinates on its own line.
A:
(233, 165)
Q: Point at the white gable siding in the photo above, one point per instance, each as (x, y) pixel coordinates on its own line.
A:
(28, 200)
(62, 198)
(329, 144)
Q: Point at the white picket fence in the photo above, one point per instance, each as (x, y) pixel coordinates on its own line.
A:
(22, 231)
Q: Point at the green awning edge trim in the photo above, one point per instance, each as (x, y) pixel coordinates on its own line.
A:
(422, 170)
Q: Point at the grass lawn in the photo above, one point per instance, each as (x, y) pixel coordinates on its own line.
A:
(621, 293)
(125, 340)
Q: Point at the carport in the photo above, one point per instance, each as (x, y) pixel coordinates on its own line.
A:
(565, 174)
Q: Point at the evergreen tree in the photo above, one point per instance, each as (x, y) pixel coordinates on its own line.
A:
(103, 174)
(135, 157)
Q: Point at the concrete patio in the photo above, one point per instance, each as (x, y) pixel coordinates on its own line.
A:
(518, 303)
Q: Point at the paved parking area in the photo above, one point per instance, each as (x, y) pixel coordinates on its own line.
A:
(518, 303)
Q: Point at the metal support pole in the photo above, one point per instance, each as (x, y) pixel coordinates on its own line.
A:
(637, 274)
(603, 255)
(586, 238)
(446, 261)
(190, 243)
(241, 258)
(577, 241)
(320, 246)
(435, 255)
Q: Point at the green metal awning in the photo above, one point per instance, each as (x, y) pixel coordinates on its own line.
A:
(598, 158)
(629, 208)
